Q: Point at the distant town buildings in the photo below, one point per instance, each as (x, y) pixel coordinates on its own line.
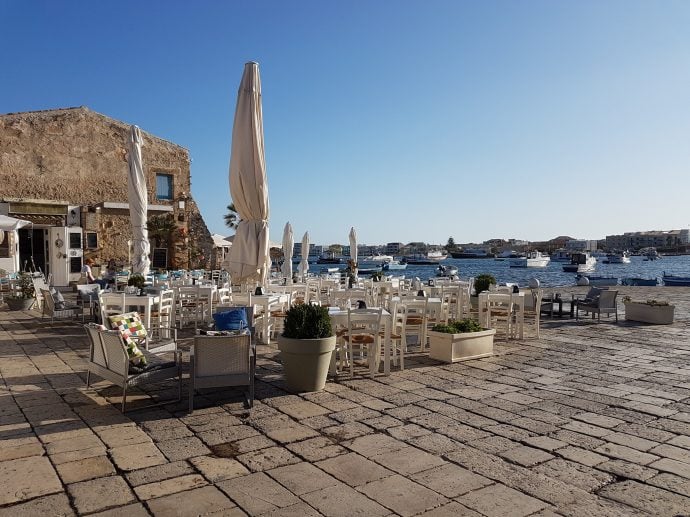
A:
(671, 240)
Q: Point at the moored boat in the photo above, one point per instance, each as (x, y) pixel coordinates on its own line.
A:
(634, 281)
(447, 271)
(531, 259)
(617, 258)
(598, 281)
(561, 255)
(674, 280)
(471, 253)
(580, 263)
(394, 265)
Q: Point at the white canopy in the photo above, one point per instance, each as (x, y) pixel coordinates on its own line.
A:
(353, 248)
(9, 224)
(288, 244)
(304, 263)
(138, 204)
(249, 255)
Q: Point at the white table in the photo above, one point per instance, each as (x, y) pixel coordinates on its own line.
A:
(132, 300)
(516, 299)
(339, 317)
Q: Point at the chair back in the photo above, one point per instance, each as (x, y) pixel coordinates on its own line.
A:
(221, 355)
(48, 302)
(113, 303)
(364, 321)
(607, 299)
(114, 351)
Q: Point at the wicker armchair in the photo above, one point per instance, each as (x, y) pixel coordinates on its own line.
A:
(604, 301)
(219, 361)
(108, 359)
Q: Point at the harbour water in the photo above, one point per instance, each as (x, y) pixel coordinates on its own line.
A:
(550, 276)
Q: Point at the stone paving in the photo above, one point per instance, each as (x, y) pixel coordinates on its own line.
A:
(592, 419)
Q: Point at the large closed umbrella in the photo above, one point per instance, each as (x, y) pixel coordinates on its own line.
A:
(138, 204)
(9, 224)
(304, 264)
(353, 250)
(288, 244)
(249, 254)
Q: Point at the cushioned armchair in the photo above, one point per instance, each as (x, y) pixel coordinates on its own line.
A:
(110, 358)
(603, 301)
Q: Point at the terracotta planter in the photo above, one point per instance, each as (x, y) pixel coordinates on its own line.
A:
(654, 314)
(19, 304)
(306, 362)
(451, 348)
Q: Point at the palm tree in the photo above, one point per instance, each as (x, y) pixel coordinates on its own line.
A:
(232, 219)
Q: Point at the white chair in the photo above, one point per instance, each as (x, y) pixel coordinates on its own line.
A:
(533, 308)
(363, 331)
(397, 333)
(187, 306)
(87, 296)
(414, 312)
(51, 308)
(112, 306)
(163, 314)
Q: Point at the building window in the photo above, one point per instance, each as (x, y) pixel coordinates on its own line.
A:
(75, 240)
(91, 240)
(5, 246)
(164, 186)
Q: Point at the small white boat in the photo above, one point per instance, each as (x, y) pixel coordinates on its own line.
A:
(394, 265)
(507, 254)
(580, 263)
(375, 260)
(447, 271)
(437, 255)
(531, 259)
(561, 255)
(617, 258)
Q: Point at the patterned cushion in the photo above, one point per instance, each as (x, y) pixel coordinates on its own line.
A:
(130, 325)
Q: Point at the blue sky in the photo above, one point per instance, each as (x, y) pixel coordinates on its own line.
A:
(412, 121)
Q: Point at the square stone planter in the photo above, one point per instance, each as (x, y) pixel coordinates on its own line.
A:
(451, 348)
(654, 314)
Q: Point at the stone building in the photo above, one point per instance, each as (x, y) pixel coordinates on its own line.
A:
(664, 240)
(65, 170)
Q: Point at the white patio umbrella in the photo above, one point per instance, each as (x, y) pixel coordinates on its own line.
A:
(288, 244)
(353, 248)
(304, 263)
(138, 204)
(249, 255)
(9, 224)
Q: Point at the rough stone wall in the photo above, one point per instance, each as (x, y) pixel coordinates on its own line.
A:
(77, 156)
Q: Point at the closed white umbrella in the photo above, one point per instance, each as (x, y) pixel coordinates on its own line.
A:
(9, 224)
(138, 204)
(288, 244)
(249, 255)
(353, 249)
(304, 264)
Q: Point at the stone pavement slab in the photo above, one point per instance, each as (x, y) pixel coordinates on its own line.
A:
(592, 419)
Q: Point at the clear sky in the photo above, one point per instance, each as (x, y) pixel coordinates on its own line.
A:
(410, 120)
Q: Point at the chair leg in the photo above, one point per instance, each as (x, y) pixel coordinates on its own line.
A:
(88, 379)
(124, 396)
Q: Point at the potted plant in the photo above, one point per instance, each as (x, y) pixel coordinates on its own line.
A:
(481, 283)
(137, 280)
(23, 297)
(649, 311)
(460, 340)
(306, 346)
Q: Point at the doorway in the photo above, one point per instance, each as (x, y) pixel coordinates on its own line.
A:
(32, 250)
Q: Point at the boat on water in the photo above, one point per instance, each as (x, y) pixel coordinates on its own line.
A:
(447, 271)
(472, 253)
(561, 255)
(580, 263)
(650, 254)
(598, 254)
(507, 254)
(329, 258)
(635, 281)
(617, 258)
(598, 281)
(374, 260)
(432, 258)
(674, 280)
(531, 259)
(394, 265)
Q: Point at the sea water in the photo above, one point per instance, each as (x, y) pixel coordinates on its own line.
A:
(549, 276)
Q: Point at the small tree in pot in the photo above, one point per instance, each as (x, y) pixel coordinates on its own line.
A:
(306, 346)
(23, 297)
